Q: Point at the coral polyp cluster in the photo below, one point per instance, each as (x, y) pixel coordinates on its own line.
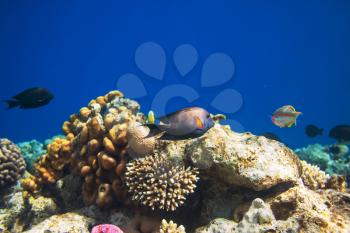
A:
(157, 182)
(312, 176)
(12, 164)
(100, 146)
(95, 147)
(171, 227)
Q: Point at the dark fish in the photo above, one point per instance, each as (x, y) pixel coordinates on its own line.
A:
(338, 150)
(341, 133)
(313, 131)
(31, 98)
(271, 136)
(182, 124)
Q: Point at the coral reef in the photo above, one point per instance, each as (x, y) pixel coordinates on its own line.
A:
(32, 150)
(157, 182)
(99, 145)
(332, 159)
(236, 159)
(171, 227)
(314, 154)
(12, 164)
(12, 206)
(259, 218)
(242, 182)
(313, 177)
(95, 147)
(18, 210)
(295, 210)
(49, 168)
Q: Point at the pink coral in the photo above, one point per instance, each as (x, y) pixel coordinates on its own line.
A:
(106, 228)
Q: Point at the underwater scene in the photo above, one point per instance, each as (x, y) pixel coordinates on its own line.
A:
(175, 116)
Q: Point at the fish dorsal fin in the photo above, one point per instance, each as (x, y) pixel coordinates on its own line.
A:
(176, 112)
(290, 107)
(24, 92)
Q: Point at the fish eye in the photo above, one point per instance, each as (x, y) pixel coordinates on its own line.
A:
(208, 115)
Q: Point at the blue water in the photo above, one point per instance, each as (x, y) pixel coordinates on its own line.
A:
(284, 52)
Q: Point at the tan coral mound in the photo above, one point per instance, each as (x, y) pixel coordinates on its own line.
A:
(171, 227)
(159, 183)
(95, 147)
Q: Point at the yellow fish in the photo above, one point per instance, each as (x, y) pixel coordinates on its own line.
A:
(150, 117)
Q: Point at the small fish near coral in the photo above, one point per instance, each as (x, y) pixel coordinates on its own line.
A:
(185, 123)
(106, 228)
(341, 133)
(313, 131)
(285, 116)
(31, 98)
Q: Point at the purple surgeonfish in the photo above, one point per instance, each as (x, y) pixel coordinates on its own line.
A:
(185, 123)
(285, 116)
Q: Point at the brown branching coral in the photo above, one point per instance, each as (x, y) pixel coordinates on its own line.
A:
(315, 179)
(95, 148)
(157, 182)
(171, 227)
(50, 166)
(12, 164)
(312, 176)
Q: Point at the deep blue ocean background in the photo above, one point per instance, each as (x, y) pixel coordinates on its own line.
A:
(284, 52)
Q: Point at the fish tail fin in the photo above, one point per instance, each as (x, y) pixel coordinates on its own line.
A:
(12, 103)
(153, 130)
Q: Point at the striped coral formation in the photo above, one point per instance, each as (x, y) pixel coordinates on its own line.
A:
(12, 164)
(158, 183)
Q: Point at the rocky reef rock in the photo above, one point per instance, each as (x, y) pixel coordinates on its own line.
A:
(237, 159)
(259, 218)
(12, 206)
(68, 190)
(219, 225)
(296, 210)
(17, 210)
(68, 222)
